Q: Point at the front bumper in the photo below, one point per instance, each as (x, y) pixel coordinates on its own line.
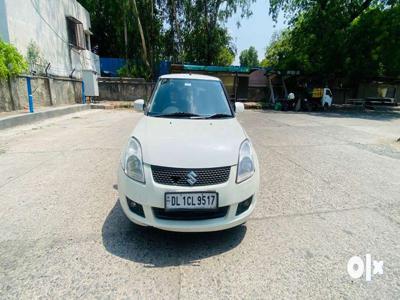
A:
(151, 196)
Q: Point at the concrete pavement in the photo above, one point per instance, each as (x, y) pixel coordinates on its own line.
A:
(330, 189)
(18, 118)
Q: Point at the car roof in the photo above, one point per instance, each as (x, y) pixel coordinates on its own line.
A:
(189, 76)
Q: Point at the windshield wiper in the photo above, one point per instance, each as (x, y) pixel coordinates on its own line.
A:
(218, 116)
(178, 114)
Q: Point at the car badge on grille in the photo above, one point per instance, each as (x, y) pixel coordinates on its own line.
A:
(191, 178)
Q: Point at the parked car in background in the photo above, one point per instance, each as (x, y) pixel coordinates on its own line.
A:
(188, 165)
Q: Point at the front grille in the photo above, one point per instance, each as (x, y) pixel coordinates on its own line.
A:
(161, 213)
(179, 177)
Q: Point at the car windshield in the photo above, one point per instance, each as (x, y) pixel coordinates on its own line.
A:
(189, 98)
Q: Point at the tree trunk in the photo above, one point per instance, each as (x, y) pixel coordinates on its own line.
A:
(360, 10)
(175, 31)
(144, 48)
(208, 57)
(151, 38)
(126, 37)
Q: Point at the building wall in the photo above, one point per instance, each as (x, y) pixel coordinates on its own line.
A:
(257, 94)
(13, 94)
(375, 89)
(44, 22)
(340, 95)
(257, 79)
(45, 91)
(3, 22)
(6, 103)
(124, 89)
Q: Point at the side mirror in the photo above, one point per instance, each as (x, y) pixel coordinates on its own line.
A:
(239, 107)
(138, 105)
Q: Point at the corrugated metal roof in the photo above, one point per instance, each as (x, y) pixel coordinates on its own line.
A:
(230, 69)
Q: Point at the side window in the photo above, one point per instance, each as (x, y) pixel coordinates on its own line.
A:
(87, 39)
(328, 93)
(76, 35)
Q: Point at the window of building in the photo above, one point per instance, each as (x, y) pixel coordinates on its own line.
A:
(88, 46)
(76, 35)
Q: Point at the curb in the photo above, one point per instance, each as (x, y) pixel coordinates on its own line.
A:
(255, 105)
(111, 105)
(28, 118)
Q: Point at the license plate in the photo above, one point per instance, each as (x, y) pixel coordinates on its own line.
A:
(188, 201)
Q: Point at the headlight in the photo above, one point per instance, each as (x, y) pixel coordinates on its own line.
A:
(132, 161)
(245, 168)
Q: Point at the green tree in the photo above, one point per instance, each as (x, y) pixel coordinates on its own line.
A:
(191, 31)
(345, 10)
(249, 57)
(282, 53)
(196, 32)
(12, 63)
(37, 63)
(120, 26)
(203, 31)
(225, 57)
(377, 51)
(346, 38)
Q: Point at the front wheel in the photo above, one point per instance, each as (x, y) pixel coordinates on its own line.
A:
(326, 107)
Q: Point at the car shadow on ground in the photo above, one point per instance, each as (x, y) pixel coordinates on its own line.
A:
(337, 113)
(365, 115)
(158, 248)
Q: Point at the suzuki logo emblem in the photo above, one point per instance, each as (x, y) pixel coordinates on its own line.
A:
(191, 177)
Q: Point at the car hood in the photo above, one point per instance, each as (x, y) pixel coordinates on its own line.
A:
(189, 143)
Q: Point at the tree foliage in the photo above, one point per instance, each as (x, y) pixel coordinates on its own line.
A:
(128, 29)
(249, 57)
(34, 57)
(197, 29)
(147, 31)
(225, 57)
(377, 52)
(347, 38)
(12, 63)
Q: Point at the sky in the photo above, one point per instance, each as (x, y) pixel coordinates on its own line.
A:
(255, 31)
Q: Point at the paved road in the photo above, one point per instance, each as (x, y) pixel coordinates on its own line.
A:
(330, 189)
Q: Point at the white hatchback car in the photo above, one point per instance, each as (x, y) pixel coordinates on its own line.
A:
(188, 165)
